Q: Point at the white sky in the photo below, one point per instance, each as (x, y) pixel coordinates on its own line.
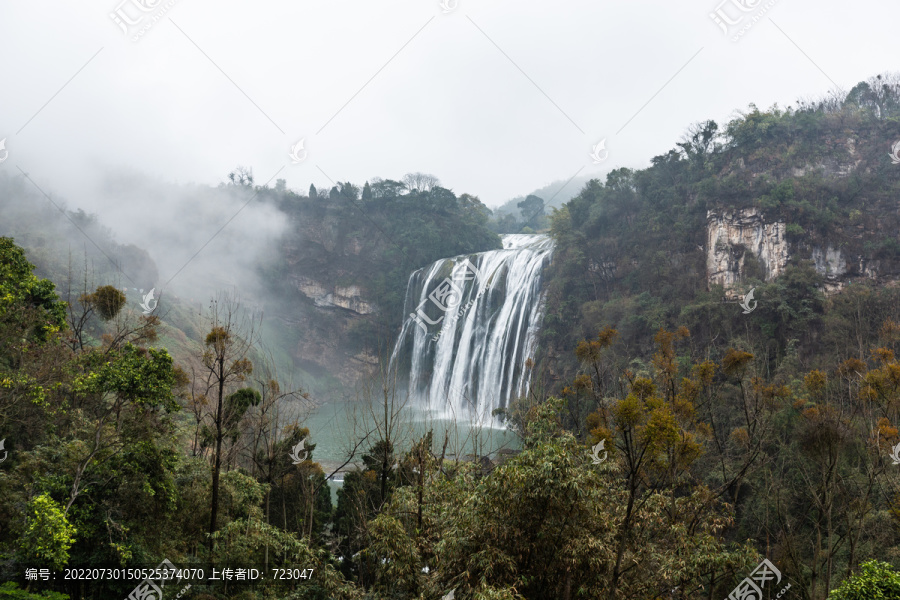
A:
(385, 88)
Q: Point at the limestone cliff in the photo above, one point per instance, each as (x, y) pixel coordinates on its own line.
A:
(735, 237)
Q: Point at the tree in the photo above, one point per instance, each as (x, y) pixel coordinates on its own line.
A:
(386, 188)
(475, 209)
(48, 534)
(700, 141)
(420, 182)
(313, 194)
(26, 298)
(241, 176)
(366, 192)
(531, 208)
(875, 581)
(236, 406)
(107, 301)
(226, 365)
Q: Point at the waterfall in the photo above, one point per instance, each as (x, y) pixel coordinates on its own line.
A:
(471, 325)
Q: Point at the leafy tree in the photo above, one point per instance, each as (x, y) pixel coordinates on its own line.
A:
(875, 581)
(24, 297)
(48, 534)
(532, 208)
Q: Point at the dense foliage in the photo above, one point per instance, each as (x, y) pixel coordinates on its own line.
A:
(673, 444)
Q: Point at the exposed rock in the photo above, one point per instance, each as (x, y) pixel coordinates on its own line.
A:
(348, 297)
(829, 262)
(736, 236)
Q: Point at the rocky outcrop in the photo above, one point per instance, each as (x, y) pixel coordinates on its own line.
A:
(734, 237)
(346, 297)
(831, 263)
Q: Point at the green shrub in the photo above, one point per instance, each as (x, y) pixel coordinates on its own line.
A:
(875, 581)
(794, 230)
(11, 591)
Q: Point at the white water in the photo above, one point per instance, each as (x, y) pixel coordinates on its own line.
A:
(477, 362)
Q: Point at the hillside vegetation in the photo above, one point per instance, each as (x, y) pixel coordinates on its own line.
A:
(670, 444)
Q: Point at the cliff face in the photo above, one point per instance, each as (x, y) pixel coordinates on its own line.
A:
(735, 237)
(323, 271)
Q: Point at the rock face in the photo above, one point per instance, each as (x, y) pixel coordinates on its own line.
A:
(734, 237)
(325, 264)
(831, 263)
(347, 297)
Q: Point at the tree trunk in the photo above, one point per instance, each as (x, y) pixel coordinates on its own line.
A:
(214, 513)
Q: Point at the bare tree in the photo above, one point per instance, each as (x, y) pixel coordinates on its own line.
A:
(241, 176)
(420, 182)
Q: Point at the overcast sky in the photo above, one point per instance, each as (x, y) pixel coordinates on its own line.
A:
(495, 98)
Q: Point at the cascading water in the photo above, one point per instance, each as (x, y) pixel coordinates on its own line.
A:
(472, 324)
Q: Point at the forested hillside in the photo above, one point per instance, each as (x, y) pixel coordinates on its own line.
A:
(673, 439)
(328, 268)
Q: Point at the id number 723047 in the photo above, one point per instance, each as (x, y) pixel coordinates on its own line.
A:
(292, 573)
